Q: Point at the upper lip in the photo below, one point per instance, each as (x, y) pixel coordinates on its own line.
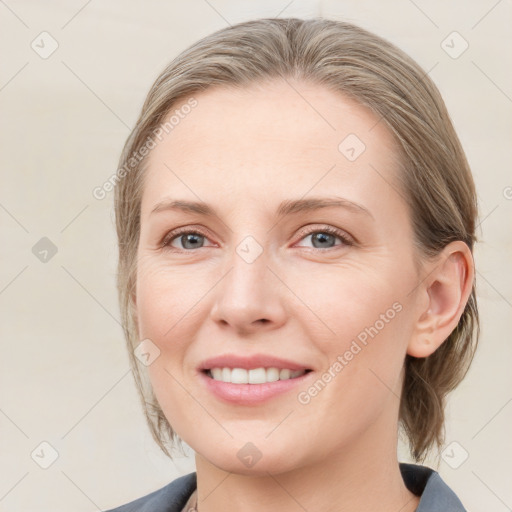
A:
(250, 362)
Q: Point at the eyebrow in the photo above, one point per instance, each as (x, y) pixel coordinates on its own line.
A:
(287, 207)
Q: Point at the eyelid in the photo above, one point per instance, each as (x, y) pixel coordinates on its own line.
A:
(343, 235)
(347, 239)
(175, 233)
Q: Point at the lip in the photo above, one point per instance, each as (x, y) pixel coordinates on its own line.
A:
(250, 394)
(250, 362)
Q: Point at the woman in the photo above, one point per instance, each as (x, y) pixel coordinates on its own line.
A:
(296, 220)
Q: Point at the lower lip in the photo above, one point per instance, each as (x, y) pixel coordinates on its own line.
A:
(250, 394)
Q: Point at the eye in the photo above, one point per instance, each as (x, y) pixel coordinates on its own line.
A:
(187, 238)
(321, 238)
(325, 237)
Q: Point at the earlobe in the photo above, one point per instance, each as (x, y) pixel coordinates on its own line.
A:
(445, 293)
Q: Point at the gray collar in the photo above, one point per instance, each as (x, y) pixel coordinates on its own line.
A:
(427, 483)
(423, 481)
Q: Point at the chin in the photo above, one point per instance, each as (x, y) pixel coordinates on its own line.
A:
(249, 460)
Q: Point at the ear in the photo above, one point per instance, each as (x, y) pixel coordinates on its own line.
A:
(442, 295)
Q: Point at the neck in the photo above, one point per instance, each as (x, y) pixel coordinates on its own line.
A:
(363, 477)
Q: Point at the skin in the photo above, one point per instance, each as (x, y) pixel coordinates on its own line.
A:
(243, 152)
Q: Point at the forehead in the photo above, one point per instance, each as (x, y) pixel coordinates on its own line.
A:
(273, 140)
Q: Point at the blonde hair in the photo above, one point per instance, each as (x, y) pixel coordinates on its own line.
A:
(435, 177)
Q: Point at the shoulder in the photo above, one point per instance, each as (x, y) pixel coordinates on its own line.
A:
(427, 483)
(420, 480)
(171, 498)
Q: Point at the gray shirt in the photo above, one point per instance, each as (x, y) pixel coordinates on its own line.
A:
(423, 481)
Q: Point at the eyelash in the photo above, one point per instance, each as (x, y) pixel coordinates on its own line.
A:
(169, 237)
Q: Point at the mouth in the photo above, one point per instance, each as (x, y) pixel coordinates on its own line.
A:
(251, 379)
(259, 375)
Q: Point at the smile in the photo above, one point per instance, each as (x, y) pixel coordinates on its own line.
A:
(264, 385)
(254, 375)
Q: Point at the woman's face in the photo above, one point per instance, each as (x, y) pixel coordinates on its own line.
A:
(261, 277)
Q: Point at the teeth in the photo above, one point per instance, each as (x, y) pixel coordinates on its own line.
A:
(257, 376)
(254, 376)
(239, 376)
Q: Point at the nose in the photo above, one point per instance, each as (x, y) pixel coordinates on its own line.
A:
(250, 297)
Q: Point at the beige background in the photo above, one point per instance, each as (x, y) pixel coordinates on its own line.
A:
(64, 375)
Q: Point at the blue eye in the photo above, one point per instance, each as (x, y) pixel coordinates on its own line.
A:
(189, 239)
(326, 237)
(322, 238)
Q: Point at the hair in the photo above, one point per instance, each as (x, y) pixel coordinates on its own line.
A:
(435, 178)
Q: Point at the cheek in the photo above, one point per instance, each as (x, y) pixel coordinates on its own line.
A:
(169, 303)
(166, 300)
(166, 315)
(362, 357)
(350, 302)
(360, 326)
